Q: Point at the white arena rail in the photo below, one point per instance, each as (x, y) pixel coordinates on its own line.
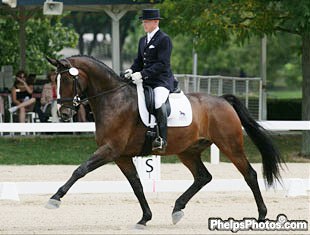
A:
(286, 125)
(90, 126)
(48, 127)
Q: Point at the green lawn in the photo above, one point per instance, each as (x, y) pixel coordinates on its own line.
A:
(46, 149)
(74, 149)
(294, 94)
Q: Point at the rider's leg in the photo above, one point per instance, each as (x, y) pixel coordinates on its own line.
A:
(161, 116)
(161, 94)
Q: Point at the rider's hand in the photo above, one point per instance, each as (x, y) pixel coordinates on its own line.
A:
(128, 73)
(136, 76)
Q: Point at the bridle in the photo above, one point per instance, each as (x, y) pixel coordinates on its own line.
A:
(76, 100)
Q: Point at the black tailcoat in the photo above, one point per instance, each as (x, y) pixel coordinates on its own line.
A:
(153, 61)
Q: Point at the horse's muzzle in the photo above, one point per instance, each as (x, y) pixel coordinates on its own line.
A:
(66, 113)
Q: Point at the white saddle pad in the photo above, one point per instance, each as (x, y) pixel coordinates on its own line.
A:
(181, 110)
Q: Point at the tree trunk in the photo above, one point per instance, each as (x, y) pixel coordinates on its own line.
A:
(22, 38)
(81, 44)
(92, 44)
(305, 151)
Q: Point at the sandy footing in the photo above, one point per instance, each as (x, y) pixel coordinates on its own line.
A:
(117, 213)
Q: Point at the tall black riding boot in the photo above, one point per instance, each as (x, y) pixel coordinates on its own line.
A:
(160, 142)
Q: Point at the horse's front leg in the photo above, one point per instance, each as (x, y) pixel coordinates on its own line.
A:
(129, 170)
(201, 177)
(103, 155)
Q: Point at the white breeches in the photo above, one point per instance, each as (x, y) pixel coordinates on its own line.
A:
(161, 94)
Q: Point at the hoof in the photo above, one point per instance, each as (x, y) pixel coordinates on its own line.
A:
(52, 204)
(261, 219)
(177, 216)
(140, 226)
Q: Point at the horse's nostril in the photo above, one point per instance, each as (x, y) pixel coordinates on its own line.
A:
(65, 117)
(66, 113)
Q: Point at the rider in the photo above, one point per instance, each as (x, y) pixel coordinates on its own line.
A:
(152, 64)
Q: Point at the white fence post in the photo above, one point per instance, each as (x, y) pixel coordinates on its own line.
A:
(214, 154)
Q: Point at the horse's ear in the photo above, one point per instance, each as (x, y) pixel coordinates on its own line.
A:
(52, 61)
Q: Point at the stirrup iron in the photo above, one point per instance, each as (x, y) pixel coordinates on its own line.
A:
(158, 143)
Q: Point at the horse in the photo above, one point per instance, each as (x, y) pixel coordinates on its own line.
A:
(120, 133)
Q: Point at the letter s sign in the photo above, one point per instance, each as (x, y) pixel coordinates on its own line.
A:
(149, 168)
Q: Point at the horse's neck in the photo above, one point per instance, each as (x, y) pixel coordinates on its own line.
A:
(101, 83)
(108, 91)
(112, 106)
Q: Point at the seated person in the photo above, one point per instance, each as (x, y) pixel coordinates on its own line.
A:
(81, 114)
(84, 113)
(49, 99)
(22, 95)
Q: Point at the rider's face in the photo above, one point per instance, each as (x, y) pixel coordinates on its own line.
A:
(150, 25)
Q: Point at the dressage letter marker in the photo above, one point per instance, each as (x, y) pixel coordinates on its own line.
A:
(148, 167)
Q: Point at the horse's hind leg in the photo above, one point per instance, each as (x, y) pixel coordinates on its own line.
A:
(250, 177)
(201, 178)
(236, 154)
(129, 170)
(91, 164)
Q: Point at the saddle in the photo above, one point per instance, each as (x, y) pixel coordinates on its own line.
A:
(150, 101)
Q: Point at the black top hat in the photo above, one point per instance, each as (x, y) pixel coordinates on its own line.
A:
(150, 14)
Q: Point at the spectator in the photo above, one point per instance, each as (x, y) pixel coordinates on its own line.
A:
(21, 93)
(49, 99)
(81, 114)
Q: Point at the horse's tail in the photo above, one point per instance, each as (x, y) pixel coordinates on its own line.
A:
(270, 154)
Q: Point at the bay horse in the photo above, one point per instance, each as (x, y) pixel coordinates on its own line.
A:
(120, 133)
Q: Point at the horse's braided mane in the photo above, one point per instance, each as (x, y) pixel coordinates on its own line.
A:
(98, 62)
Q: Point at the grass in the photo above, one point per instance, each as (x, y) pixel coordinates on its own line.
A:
(46, 149)
(75, 149)
(290, 94)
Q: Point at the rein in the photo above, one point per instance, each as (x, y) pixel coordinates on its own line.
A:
(102, 93)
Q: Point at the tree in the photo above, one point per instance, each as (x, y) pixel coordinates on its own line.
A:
(283, 60)
(30, 36)
(88, 22)
(95, 23)
(212, 22)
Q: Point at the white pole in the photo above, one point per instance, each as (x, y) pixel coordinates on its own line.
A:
(116, 16)
(195, 60)
(215, 154)
(263, 75)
